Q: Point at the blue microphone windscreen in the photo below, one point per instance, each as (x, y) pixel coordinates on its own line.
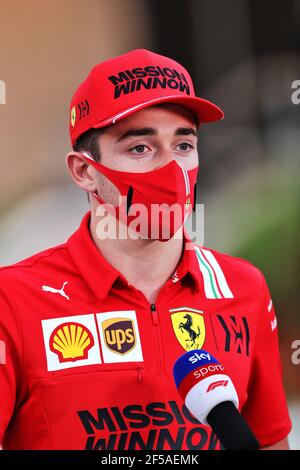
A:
(190, 361)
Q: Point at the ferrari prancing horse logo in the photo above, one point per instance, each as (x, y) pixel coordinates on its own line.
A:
(189, 327)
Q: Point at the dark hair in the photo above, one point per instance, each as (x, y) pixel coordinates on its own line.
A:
(89, 142)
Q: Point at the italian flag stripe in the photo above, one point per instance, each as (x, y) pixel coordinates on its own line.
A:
(210, 285)
(215, 284)
(214, 274)
(224, 287)
(187, 309)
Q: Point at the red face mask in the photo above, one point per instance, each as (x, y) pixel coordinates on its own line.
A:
(155, 203)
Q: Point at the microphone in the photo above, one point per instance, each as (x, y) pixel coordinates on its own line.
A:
(209, 394)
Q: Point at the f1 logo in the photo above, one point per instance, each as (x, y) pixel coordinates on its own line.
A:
(218, 383)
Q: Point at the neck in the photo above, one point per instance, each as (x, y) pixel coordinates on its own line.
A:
(146, 264)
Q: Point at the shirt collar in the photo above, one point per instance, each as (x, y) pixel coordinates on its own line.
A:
(95, 269)
(100, 275)
(188, 270)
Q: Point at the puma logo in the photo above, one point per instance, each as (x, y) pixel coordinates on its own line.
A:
(57, 291)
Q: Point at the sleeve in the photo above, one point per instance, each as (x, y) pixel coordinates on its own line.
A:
(266, 409)
(10, 362)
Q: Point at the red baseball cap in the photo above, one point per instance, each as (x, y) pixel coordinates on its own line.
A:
(125, 84)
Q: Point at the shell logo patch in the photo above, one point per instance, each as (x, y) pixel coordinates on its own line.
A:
(189, 327)
(71, 342)
(119, 336)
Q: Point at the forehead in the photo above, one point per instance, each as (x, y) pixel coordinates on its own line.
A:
(159, 116)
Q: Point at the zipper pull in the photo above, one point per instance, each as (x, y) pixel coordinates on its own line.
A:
(154, 315)
(140, 373)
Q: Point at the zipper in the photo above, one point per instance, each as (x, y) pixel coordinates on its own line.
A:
(155, 322)
(140, 373)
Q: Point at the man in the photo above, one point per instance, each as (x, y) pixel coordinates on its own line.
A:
(93, 327)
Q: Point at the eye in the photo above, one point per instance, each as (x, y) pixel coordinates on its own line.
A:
(185, 147)
(139, 149)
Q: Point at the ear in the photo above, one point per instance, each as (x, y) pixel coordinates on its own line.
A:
(81, 172)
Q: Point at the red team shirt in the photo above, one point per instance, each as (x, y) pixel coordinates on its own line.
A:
(89, 361)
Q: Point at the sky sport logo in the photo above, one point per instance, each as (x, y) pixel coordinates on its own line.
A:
(115, 223)
(2, 92)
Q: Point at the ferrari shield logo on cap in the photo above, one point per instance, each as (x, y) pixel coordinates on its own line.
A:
(73, 116)
(189, 327)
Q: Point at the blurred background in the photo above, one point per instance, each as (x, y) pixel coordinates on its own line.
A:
(242, 54)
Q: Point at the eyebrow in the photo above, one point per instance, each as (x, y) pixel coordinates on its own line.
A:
(137, 132)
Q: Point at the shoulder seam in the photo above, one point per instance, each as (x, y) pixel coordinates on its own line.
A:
(20, 264)
(233, 257)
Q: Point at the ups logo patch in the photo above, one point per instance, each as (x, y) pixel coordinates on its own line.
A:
(119, 335)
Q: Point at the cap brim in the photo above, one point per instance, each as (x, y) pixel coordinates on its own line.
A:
(205, 111)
